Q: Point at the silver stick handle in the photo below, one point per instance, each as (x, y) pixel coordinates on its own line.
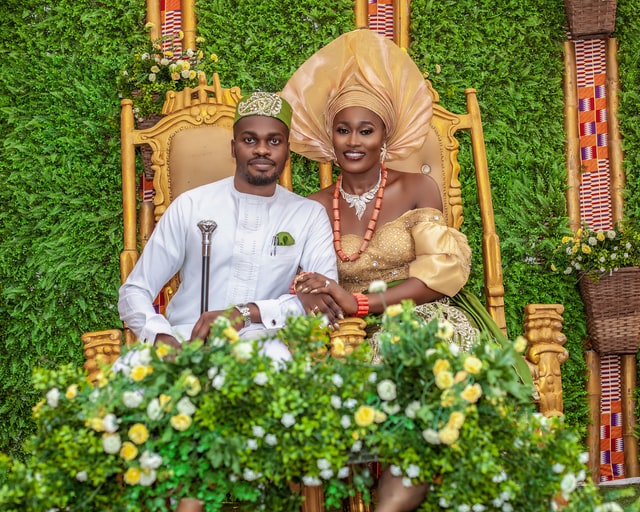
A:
(207, 227)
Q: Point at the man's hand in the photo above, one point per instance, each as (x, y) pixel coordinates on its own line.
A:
(167, 339)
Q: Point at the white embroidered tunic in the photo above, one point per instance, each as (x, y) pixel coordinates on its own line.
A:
(246, 264)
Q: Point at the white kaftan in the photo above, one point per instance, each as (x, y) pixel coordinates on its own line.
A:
(245, 266)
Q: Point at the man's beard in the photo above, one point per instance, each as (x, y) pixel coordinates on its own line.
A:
(262, 180)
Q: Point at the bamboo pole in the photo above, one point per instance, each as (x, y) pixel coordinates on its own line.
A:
(153, 17)
(401, 17)
(629, 381)
(188, 24)
(361, 11)
(594, 394)
(572, 134)
(614, 140)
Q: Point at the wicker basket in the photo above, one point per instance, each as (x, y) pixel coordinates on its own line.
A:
(612, 305)
(590, 18)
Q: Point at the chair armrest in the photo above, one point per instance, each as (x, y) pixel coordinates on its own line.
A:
(100, 348)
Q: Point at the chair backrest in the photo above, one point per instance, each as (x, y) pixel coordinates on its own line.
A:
(190, 145)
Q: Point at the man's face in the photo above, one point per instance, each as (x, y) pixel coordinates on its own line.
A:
(260, 146)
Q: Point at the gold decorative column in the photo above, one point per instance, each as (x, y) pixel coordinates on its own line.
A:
(594, 393)
(572, 134)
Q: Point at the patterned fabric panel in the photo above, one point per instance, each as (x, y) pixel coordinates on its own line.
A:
(595, 189)
(380, 16)
(611, 441)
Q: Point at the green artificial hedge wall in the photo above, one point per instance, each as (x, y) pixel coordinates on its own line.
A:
(60, 221)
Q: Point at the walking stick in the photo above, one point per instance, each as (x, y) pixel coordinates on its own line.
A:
(207, 227)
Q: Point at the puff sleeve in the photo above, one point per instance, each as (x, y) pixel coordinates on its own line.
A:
(443, 257)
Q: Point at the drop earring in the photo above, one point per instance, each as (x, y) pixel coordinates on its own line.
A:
(383, 152)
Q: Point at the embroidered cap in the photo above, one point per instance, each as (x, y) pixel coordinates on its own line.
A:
(268, 104)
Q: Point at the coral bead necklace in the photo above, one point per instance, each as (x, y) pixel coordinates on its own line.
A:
(372, 222)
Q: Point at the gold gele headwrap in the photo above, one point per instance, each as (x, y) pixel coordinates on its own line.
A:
(268, 104)
(359, 68)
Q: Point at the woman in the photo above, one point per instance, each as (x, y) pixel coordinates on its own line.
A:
(362, 103)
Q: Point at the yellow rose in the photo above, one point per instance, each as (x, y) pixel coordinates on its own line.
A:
(379, 416)
(520, 345)
(96, 424)
(393, 310)
(566, 239)
(132, 476)
(472, 393)
(460, 376)
(447, 399)
(36, 408)
(164, 402)
(579, 233)
(448, 435)
(175, 76)
(168, 54)
(456, 420)
(231, 334)
(138, 433)
(138, 373)
(72, 392)
(128, 451)
(180, 422)
(214, 57)
(600, 236)
(473, 365)
(441, 365)
(193, 384)
(180, 35)
(444, 380)
(101, 380)
(162, 350)
(586, 249)
(364, 416)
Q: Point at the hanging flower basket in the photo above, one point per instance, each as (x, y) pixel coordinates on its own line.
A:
(612, 305)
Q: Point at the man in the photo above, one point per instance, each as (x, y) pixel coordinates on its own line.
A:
(264, 234)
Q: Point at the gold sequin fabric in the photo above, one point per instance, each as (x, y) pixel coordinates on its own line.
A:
(417, 244)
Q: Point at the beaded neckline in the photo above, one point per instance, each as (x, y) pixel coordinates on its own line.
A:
(337, 244)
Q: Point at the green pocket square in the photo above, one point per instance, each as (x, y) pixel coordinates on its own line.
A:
(284, 238)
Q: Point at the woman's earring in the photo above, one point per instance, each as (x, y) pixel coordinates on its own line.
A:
(383, 152)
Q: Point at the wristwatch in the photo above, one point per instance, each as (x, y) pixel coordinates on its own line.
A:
(244, 310)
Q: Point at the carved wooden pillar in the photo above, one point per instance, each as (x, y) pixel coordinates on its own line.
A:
(543, 330)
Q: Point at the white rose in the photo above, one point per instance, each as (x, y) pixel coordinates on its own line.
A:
(387, 389)
(53, 397)
(185, 406)
(243, 350)
(147, 477)
(81, 476)
(150, 460)
(288, 419)
(377, 286)
(132, 399)
(258, 431)
(261, 378)
(154, 410)
(110, 423)
(111, 443)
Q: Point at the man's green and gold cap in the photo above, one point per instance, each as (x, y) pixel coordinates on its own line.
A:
(268, 104)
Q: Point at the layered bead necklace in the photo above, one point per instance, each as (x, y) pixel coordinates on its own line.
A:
(366, 197)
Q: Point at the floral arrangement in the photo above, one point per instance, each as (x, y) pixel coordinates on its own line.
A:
(595, 253)
(220, 422)
(153, 71)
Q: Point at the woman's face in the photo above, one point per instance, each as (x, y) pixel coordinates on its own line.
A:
(358, 135)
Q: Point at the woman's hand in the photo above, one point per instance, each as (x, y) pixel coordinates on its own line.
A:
(315, 284)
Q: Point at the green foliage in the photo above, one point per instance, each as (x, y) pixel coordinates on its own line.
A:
(511, 53)
(60, 225)
(222, 421)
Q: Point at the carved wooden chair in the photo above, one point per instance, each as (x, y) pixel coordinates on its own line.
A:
(190, 146)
